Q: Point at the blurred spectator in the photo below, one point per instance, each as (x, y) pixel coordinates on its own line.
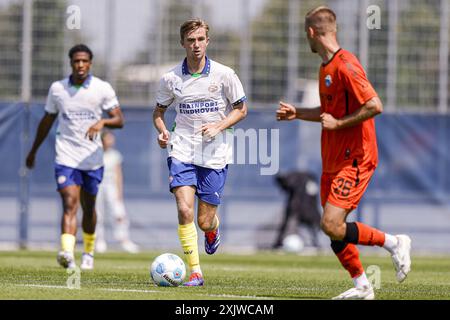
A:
(302, 204)
(110, 199)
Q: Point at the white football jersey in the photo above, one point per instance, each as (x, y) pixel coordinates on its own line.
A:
(199, 99)
(79, 108)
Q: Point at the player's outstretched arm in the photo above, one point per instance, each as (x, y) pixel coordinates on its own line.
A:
(287, 112)
(239, 112)
(42, 131)
(158, 122)
(369, 110)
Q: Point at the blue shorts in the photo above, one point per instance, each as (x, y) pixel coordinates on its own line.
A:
(208, 182)
(87, 179)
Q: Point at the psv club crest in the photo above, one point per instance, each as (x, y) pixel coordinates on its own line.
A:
(213, 87)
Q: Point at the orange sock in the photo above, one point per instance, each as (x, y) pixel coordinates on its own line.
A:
(349, 258)
(369, 236)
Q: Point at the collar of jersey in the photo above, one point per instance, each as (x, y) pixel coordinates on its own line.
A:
(206, 68)
(334, 55)
(85, 83)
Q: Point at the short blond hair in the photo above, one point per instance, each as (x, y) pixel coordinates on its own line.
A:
(192, 25)
(322, 19)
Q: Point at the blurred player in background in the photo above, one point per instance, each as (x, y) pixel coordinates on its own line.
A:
(110, 199)
(349, 152)
(78, 102)
(209, 100)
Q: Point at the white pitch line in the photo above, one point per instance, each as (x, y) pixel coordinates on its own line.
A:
(42, 286)
(129, 290)
(235, 296)
(101, 289)
(149, 291)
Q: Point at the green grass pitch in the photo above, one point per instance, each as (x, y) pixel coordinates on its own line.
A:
(265, 275)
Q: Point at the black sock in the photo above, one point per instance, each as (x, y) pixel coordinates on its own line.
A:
(338, 246)
(351, 233)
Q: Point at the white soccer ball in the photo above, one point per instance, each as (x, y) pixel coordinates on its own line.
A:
(293, 243)
(168, 270)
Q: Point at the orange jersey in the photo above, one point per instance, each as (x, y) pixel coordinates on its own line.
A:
(344, 88)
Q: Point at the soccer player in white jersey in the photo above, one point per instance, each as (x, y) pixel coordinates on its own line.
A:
(78, 102)
(110, 199)
(209, 99)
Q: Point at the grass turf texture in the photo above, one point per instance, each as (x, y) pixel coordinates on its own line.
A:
(36, 275)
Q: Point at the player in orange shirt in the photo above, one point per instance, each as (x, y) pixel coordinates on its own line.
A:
(349, 152)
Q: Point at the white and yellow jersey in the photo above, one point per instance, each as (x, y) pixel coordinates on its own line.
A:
(198, 99)
(78, 108)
